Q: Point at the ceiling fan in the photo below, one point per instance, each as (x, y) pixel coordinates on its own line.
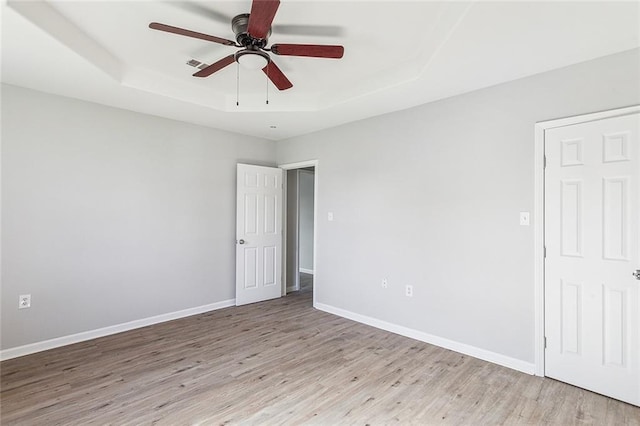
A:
(252, 32)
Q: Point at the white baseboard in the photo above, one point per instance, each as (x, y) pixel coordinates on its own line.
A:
(306, 271)
(106, 331)
(483, 354)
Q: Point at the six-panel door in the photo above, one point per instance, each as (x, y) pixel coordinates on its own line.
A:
(258, 234)
(592, 221)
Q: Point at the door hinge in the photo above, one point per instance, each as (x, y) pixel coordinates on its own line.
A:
(544, 162)
(545, 252)
(545, 342)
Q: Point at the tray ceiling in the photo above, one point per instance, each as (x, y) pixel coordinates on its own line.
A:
(398, 54)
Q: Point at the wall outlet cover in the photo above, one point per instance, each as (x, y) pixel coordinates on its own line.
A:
(408, 291)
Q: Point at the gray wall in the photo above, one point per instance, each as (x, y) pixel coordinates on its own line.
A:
(306, 219)
(430, 197)
(110, 216)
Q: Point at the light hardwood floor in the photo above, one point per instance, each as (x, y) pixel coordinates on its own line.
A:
(282, 362)
(306, 282)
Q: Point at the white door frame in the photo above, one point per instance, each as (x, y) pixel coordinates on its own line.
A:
(293, 166)
(286, 220)
(538, 216)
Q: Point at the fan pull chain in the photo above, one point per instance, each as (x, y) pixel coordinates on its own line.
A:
(237, 84)
(268, 68)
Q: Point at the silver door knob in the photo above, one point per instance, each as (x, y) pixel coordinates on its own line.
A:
(240, 241)
(636, 274)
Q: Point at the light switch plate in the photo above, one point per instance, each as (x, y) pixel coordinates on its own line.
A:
(24, 301)
(330, 216)
(524, 218)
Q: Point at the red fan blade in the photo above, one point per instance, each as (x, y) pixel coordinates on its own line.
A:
(261, 17)
(217, 66)
(277, 76)
(188, 33)
(312, 50)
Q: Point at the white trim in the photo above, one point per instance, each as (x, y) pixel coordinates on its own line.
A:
(285, 233)
(594, 116)
(316, 179)
(299, 165)
(316, 219)
(538, 251)
(483, 354)
(306, 271)
(106, 331)
(538, 217)
(296, 262)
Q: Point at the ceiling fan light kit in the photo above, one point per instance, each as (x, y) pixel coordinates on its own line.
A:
(252, 59)
(252, 31)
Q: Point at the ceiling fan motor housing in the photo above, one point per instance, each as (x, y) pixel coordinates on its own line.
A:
(239, 26)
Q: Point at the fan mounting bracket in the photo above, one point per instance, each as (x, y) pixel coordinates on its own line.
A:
(239, 26)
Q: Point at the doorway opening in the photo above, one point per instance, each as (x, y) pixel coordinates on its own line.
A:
(300, 219)
(300, 228)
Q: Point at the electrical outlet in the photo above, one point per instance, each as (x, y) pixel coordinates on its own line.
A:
(408, 291)
(524, 219)
(24, 301)
(330, 216)
(385, 283)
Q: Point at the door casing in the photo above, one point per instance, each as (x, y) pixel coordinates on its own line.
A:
(292, 232)
(538, 216)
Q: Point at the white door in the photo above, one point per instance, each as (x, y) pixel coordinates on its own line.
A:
(592, 238)
(258, 234)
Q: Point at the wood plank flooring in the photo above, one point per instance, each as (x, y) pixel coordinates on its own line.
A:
(306, 282)
(282, 362)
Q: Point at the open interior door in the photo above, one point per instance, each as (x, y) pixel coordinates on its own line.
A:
(258, 234)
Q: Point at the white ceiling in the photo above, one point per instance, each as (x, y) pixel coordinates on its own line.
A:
(398, 54)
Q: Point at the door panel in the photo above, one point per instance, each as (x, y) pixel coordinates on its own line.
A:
(571, 307)
(615, 330)
(258, 234)
(616, 218)
(592, 239)
(571, 212)
(250, 267)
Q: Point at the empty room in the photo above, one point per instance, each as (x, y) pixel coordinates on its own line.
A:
(320, 212)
